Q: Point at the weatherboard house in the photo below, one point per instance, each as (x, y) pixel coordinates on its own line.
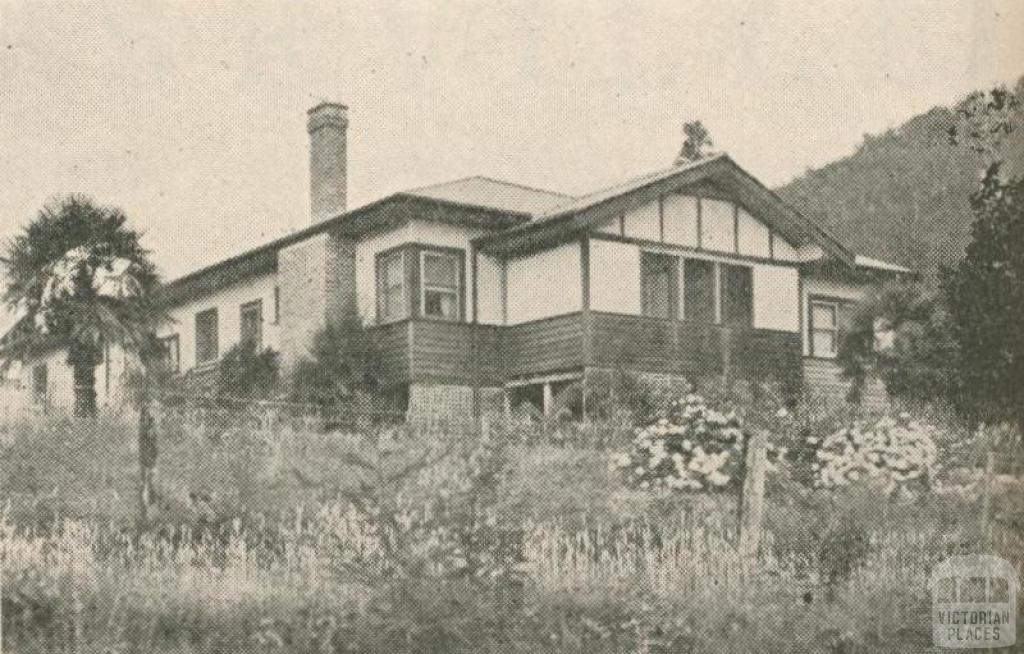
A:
(481, 290)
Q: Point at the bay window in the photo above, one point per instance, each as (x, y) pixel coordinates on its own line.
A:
(440, 273)
(391, 302)
(418, 281)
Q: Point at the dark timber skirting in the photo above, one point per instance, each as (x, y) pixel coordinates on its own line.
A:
(668, 346)
(463, 353)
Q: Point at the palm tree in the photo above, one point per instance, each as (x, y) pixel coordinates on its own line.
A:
(77, 278)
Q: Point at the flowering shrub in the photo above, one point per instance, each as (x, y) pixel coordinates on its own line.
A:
(896, 451)
(693, 448)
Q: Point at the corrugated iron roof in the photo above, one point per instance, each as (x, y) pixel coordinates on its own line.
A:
(493, 194)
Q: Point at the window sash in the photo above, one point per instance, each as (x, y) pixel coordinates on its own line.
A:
(207, 347)
(435, 292)
(250, 321)
(824, 338)
(391, 304)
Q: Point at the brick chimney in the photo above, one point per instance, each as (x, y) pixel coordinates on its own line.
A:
(328, 184)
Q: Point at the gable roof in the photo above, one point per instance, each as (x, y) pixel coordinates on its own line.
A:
(494, 194)
(717, 172)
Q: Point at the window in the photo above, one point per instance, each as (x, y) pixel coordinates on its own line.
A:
(277, 305)
(391, 304)
(172, 352)
(824, 328)
(250, 323)
(206, 337)
(737, 293)
(39, 383)
(699, 290)
(441, 285)
(658, 282)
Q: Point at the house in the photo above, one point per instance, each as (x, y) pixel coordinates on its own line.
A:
(480, 289)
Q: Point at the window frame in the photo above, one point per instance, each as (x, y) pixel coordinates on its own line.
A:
(458, 258)
(252, 306)
(216, 337)
(379, 284)
(165, 341)
(836, 304)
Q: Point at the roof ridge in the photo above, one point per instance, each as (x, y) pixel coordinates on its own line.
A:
(426, 186)
(522, 186)
(627, 184)
(495, 180)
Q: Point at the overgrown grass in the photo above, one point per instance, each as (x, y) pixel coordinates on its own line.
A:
(258, 551)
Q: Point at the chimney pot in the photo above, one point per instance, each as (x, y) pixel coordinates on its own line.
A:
(327, 124)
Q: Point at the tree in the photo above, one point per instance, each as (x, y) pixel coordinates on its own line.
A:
(697, 139)
(78, 278)
(902, 333)
(985, 294)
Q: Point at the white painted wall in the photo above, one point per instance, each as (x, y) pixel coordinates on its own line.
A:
(644, 222)
(754, 237)
(111, 375)
(490, 296)
(828, 288)
(545, 284)
(615, 277)
(681, 220)
(228, 302)
(776, 297)
(717, 225)
(417, 231)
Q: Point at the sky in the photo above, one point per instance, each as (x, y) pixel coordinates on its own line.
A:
(191, 116)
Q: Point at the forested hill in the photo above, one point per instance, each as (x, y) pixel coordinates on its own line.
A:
(903, 195)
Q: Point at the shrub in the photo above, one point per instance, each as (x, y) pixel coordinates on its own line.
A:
(621, 395)
(342, 375)
(247, 373)
(898, 452)
(693, 448)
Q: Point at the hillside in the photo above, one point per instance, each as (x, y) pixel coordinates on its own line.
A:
(903, 195)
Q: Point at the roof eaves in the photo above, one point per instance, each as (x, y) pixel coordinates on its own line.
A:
(178, 288)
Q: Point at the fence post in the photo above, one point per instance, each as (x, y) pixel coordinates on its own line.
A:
(986, 500)
(752, 507)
